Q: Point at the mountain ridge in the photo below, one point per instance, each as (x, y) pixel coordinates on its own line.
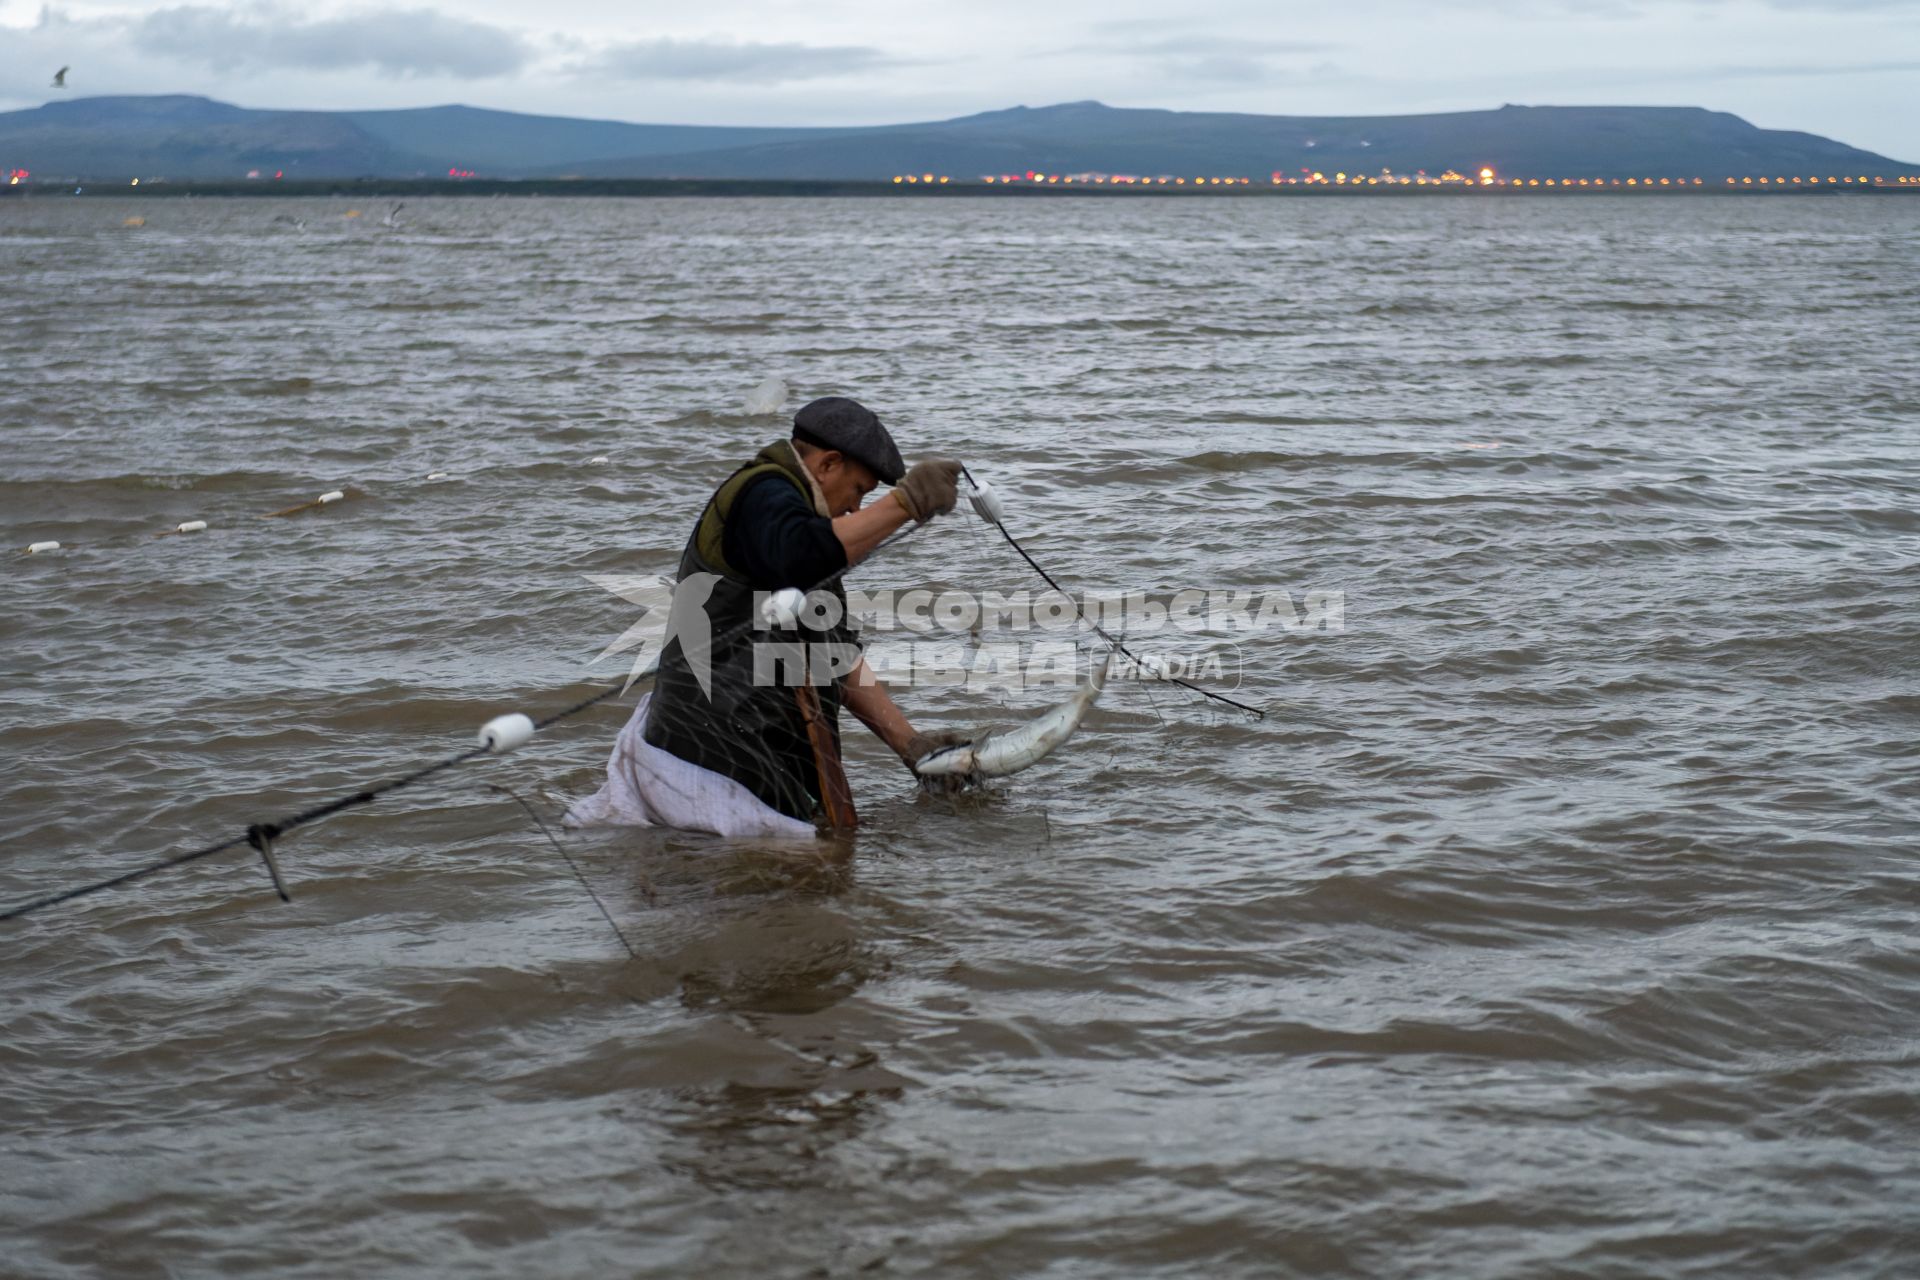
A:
(186, 136)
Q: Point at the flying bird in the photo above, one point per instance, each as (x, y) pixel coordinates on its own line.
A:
(60, 77)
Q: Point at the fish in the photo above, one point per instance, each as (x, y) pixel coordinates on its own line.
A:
(996, 755)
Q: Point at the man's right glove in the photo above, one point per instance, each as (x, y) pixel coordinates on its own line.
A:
(922, 745)
(930, 488)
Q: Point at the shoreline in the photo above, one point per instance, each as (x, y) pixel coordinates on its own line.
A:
(764, 187)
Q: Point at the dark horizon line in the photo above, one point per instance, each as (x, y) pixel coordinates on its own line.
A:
(881, 188)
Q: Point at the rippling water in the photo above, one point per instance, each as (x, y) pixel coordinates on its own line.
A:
(1558, 919)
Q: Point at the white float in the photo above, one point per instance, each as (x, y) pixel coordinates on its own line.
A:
(503, 733)
(987, 504)
(766, 397)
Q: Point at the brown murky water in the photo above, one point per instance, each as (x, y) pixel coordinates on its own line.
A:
(1558, 920)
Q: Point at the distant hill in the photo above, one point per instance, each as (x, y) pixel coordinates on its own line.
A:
(145, 137)
(106, 138)
(508, 144)
(1083, 137)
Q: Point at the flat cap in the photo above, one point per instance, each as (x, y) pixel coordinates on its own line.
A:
(836, 422)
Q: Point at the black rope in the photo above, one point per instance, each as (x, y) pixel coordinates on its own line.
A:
(612, 691)
(1102, 631)
(258, 835)
(179, 859)
(261, 835)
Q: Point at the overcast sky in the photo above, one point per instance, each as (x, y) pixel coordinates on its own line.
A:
(1848, 69)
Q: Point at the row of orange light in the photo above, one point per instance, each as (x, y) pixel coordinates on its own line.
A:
(1863, 181)
(1598, 182)
(1695, 182)
(1486, 178)
(1689, 182)
(1102, 179)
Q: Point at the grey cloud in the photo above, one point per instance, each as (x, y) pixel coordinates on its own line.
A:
(1804, 69)
(1642, 9)
(1615, 77)
(1631, 10)
(1211, 47)
(726, 60)
(1247, 72)
(395, 42)
(1845, 6)
(1241, 71)
(1218, 69)
(1197, 57)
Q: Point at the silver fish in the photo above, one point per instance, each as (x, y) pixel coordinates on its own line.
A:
(998, 754)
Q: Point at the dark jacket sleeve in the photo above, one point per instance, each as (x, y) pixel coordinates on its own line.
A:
(774, 538)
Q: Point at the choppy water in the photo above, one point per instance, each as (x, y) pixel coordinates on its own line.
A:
(1558, 920)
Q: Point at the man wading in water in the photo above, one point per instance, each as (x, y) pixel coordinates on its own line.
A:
(741, 734)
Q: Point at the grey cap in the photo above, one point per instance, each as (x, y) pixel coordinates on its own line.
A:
(836, 422)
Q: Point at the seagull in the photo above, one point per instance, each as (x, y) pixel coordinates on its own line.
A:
(393, 216)
(60, 77)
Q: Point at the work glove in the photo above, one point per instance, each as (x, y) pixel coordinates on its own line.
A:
(922, 745)
(929, 489)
